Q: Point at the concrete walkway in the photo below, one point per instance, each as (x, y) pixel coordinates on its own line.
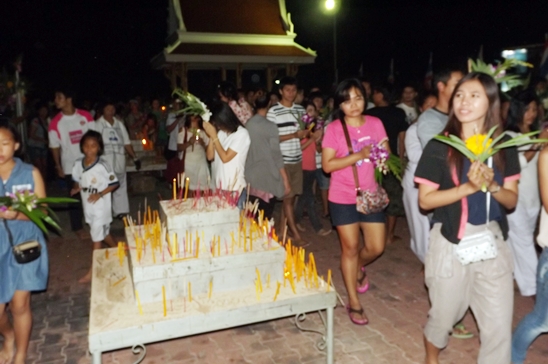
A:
(396, 305)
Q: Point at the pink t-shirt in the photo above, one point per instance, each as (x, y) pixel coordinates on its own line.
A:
(309, 156)
(342, 188)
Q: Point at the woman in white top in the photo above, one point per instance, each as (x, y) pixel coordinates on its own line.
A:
(192, 142)
(523, 118)
(228, 147)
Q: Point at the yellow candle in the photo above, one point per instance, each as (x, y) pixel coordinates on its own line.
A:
(219, 246)
(139, 303)
(187, 182)
(277, 291)
(257, 290)
(189, 292)
(259, 279)
(268, 280)
(174, 189)
(197, 247)
(328, 280)
(106, 253)
(125, 221)
(164, 296)
(119, 281)
(210, 289)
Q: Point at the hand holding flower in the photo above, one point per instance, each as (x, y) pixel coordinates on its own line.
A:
(365, 152)
(475, 176)
(8, 214)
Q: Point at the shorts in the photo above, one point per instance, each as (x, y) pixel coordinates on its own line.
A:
(322, 179)
(98, 232)
(295, 177)
(346, 214)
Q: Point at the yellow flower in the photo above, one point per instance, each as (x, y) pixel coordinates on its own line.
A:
(475, 144)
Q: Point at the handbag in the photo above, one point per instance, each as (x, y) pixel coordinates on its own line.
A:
(367, 202)
(24, 252)
(480, 246)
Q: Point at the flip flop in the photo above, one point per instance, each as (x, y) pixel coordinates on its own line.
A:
(460, 332)
(362, 288)
(350, 311)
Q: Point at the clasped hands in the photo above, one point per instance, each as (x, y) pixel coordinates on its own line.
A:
(480, 175)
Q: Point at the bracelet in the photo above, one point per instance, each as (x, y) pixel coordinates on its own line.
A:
(497, 189)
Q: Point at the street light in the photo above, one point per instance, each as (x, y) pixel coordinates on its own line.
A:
(331, 6)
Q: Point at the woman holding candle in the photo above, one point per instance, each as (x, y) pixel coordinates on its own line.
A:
(363, 132)
(451, 186)
(228, 147)
(191, 144)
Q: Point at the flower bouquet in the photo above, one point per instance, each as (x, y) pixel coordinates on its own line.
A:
(193, 104)
(384, 162)
(499, 73)
(36, 209)
(480, 147)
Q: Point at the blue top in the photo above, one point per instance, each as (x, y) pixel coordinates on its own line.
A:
(31, 276)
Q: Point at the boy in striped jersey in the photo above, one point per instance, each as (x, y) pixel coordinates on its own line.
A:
(286, 115)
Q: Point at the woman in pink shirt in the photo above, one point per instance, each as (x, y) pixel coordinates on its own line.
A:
(336, 159)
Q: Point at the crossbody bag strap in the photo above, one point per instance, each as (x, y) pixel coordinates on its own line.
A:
(350, 151)
(488, 194)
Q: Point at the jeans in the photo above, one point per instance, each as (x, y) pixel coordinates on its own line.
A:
(536, 322)
(306, 201)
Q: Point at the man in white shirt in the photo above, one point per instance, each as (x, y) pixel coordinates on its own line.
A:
(65, 131)
(408, 104)
(117, 143)
(286, 115)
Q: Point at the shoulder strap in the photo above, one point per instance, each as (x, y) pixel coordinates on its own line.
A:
(350, 151)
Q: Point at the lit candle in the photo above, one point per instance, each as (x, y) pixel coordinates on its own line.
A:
(164, 300)
(277, 291)
(139, 303)
(187, 182)
(174, 189)
(219, 246)
(328, 280)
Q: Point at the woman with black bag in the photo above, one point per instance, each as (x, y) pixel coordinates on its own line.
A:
(346, 148)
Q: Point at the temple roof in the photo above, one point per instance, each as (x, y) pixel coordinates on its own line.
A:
(212, 33)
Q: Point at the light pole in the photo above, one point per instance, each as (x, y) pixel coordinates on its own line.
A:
(331, 7)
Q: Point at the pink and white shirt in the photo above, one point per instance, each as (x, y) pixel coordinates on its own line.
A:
(65, 132)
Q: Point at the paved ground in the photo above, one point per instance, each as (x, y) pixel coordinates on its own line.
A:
(396, 305)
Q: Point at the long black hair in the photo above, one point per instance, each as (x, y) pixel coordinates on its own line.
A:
(518, 107)
(228, 90)
(492, 118)
(342, 94)
(223, 118)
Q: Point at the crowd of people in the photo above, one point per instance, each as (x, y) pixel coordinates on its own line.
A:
(291, 146)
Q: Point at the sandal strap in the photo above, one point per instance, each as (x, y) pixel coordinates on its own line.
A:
(352, 310)
(360, 281)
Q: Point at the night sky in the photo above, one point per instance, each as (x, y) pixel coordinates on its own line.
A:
(104, 47)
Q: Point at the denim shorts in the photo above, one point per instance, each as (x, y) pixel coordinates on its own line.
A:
(346, 214)
(322, 179)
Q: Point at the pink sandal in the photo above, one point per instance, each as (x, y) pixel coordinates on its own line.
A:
(362, 288)
(360, 312)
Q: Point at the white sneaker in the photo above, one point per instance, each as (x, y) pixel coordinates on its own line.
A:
(324, 232)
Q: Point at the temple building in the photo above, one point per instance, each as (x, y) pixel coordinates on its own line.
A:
(234, 35)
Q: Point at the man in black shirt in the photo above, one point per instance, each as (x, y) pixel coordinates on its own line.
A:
(393, 119)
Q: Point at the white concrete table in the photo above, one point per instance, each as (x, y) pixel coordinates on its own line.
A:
(116, 322)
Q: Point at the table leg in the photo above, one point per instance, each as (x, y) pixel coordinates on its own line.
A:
(329, 335)
(96, 357)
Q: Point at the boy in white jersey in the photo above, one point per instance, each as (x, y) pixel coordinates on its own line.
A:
(95, 180)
